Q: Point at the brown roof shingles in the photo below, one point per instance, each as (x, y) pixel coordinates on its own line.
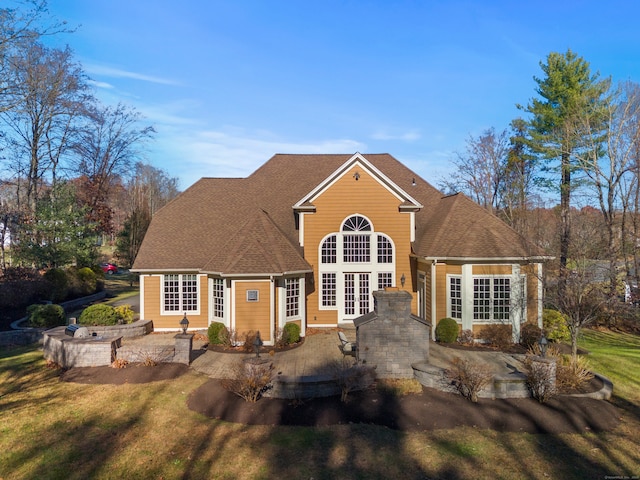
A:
(247, 225)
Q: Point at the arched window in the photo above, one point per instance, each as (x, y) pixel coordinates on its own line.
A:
(356, 246)
(385, 249)
(328, 252)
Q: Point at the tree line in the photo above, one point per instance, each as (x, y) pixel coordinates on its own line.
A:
(566, 175)
(71, 168)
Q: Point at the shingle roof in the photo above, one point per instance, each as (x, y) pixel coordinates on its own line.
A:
(247, 225)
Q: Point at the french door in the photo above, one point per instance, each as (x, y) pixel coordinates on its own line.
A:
(357, 294)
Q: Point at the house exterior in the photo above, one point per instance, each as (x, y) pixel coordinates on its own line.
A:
(309, 238)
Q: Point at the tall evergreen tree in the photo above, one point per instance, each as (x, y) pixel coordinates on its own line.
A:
(567, 92)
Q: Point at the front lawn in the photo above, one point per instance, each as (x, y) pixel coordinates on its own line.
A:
(55, 430)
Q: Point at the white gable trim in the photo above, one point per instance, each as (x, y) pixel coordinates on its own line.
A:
(356, 160)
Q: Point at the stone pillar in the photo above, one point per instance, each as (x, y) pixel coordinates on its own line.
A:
(184, 345)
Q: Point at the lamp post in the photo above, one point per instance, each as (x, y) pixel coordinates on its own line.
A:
(543, 342)
(184, 323)
(257, 343)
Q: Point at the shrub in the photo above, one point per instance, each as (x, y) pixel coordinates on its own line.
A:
(99, 314)
(292, 332)
(214, 333)
(468, 378)
(497, 335)
(466, 337)
(250, 380)
(74, 283)
(572, 374)
(539, 379)
(46, 316)
(58, 284)
(555, 325)
(530, 334)
(88, 281)
(247, 341)
(350, 377)
(447, 330)
(125, 313)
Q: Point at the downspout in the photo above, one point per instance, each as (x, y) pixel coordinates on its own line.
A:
(434, 303)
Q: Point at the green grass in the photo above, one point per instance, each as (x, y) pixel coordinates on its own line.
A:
(55, 430)
(616, 356)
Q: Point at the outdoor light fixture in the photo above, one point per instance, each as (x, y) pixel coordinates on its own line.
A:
(413, 182)
(402, 280)
(356, 176)
(257, 343)
(184, 323)
(543, 342)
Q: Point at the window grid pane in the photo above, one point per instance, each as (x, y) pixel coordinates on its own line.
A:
(455, 292)
(481, 298)
(384, 280)
(328, 289)
(218, 297)
(293, 295)
(172, 293)
(356, 224)
(385, 250)
(357, 249)
(189, 293)
(501, 298)
(329, 249)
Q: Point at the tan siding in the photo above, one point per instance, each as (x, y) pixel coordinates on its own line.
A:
(491, 270)
(441, 291)
(532, 292)
(253, 316)
(347, 197)
(152, 307)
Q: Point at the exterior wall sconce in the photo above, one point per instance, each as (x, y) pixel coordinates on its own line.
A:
(413, 182)
(543, 342)
(356, 176)
(403, 279)
(184, 323)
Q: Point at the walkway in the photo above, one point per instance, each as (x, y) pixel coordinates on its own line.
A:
(316, 356)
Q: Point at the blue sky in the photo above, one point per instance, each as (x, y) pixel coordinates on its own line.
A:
(227, 84)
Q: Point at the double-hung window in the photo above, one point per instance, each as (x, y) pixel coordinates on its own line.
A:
(292, 286)
(218, 297)
(180, 293)
(455, 297)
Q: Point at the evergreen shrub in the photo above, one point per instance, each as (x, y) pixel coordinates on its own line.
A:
(555, 325)
(213, 332)
(46, 316)
(447, 330)
(292, 331)
(58, 283)
(98, 314)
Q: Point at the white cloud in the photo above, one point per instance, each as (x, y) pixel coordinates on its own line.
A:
(234, 152)
(119, 73)
(98, 84)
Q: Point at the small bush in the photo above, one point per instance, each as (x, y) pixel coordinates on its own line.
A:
(46, 316)
(570, 374)
(292, 331)
(468, 378)
(214, 333)
(555, 326)
(466, 337)
(530, 334)
(58, 283)
(497, 335)
(119, 363)
(99, 314)
(249, 380)
(447, 330)
(247, 341)
(539, 379)
(88, 281)
(125, 313)
(350, 377)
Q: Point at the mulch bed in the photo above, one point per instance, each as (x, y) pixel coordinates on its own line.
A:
(429, 410)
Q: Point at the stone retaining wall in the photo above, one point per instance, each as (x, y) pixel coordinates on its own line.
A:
(69, 352)
(127, 330)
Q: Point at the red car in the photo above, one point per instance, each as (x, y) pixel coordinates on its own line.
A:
(109, 268)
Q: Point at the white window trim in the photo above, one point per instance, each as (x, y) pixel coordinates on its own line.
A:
(181, 311)
(298, 316)
(449, 311)
(341, 267)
